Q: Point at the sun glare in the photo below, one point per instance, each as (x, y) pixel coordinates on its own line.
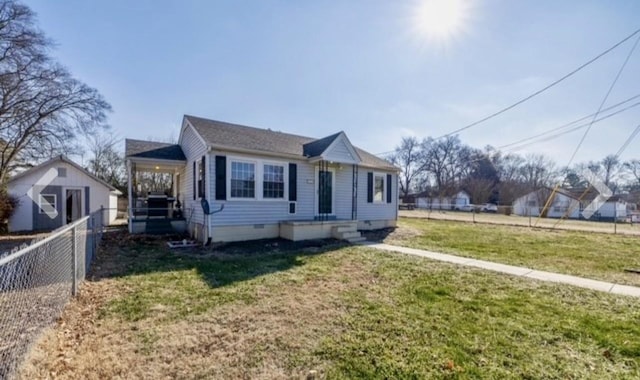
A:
(440, 20)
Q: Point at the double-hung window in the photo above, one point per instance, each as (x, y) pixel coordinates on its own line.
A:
(273, 181)
(378, 187)
(243, 179)
(256, 179)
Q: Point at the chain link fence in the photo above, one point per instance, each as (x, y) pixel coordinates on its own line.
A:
(562, 218)
(37, 280)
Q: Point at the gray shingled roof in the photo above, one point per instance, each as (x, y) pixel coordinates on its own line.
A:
(317, 147)
(265, 140)
(152, 149)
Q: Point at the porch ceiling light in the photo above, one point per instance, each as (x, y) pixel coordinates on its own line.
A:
(157, 168)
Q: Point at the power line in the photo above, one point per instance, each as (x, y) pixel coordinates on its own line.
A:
(613, 84)
(562, 133)
(541, 90)
(628, 141)
(526, 142)
(555, 129)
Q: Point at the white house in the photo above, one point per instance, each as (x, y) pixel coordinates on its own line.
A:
(569, 204)
(259, 183)
(434, 202)
(58, 192)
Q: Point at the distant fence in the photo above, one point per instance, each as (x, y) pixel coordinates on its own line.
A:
(606, 221)
(37, 281)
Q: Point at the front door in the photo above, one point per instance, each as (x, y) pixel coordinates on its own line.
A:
(73, 205)
(325, 192)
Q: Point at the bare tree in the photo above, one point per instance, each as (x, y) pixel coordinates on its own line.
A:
(106, 162)
(43, 108)
(481, 176)
(444, 161)
(611, 170)
(407, 158)
(537, 171)
(633, 168)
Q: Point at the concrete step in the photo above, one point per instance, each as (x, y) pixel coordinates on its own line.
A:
(348, 235)
(345, 228)
(356, 239)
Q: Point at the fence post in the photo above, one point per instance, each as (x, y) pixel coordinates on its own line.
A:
(94, 242)
(74, 262)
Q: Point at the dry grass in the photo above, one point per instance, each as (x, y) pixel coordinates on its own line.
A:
(270, 310)
(593, 255)
(102, 334)
(523, 221)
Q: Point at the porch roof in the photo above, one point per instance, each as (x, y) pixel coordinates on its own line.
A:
(151, 150)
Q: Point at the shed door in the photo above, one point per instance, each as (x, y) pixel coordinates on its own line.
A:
(73, 205)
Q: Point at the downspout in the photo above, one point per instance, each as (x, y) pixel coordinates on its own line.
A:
(130, 200)
(208, 178)
(397, 197)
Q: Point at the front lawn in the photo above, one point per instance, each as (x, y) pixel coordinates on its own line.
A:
(589, 254)
(277, 310)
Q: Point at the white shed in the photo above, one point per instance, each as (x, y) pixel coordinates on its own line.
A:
(58, 192)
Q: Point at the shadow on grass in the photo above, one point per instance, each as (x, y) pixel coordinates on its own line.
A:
(380, 235)
(122, 254)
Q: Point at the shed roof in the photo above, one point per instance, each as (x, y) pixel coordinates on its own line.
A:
(63, 158)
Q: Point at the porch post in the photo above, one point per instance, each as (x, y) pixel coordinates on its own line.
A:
(130, 200)
(354, 193)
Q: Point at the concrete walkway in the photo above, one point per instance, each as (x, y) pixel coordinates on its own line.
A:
(582, 282)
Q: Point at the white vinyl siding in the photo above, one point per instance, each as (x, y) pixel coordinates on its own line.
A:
(339, 152)
(193, 149)
(263, 210)
(377, 211)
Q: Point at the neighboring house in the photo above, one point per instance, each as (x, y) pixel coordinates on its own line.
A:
(434, 202)
(261, 184)
(58, 192)
(568, 204)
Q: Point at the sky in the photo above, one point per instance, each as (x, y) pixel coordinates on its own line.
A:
(374, 69)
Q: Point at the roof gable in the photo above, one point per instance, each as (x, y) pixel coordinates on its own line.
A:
(64, 159)
(335, 148)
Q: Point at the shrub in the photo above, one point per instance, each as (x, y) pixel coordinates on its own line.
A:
(8, 205)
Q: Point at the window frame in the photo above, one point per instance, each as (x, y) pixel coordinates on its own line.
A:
(258, 186)
(285, 177)
(231, 161)
(55, 203)
(383, 198)
(201, 175)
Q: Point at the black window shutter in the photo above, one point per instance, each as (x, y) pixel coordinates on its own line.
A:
(195, 182)
(293, 182)
(203, 193)
(369, 187)
(221, 178)
(389, 186)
